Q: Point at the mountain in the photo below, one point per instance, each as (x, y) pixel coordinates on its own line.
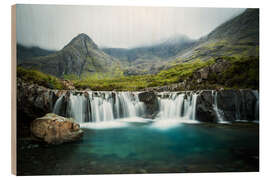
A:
(24, 52)
(243, 27)
(160, 51)
(150, 59)
(236, 37)
(80, 57)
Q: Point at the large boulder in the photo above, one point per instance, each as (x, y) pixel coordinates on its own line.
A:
(151, 103)
(55, 129)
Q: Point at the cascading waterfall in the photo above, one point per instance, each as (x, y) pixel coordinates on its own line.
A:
(101, 106)
(215, 107)
(78, 107)
(57, 105)
(175, 105)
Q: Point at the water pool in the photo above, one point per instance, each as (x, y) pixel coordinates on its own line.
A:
(146, 147)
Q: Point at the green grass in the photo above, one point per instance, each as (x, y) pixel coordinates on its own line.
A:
(37, 77)
(243, 72)
(165, 77)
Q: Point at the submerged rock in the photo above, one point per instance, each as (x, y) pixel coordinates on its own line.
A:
(55, 129)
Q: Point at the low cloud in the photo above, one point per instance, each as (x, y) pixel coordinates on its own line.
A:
(53, 26)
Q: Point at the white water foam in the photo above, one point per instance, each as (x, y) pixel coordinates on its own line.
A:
(117, 123)
(165, 124)
(104, 125)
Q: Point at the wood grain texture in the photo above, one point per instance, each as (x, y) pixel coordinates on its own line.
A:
(13, 92)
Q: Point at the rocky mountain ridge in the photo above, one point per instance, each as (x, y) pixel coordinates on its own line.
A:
(80, 57)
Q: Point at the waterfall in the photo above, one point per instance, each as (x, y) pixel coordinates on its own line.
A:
(175, 105)
(215, 107)
(58, 104)
(101, 106)
(78, 107)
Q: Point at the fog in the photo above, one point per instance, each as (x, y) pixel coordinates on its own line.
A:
(53, 26)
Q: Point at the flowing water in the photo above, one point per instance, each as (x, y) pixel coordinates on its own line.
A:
(108, 106)
(137, 146)
(119, 139)
(174, 106)
(102, 106)
(219, 114)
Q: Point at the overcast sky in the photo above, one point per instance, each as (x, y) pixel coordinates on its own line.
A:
(52, 27)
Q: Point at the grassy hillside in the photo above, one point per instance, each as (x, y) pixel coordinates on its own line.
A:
(240, 72)
(172, 75)
(37, 77)
(243, 72)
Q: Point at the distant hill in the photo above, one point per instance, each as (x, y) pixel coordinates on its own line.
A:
(160, 51)
(238, 36)
(150, 59)
(80, 57)
(24, 52)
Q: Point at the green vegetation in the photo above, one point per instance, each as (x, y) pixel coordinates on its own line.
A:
(165, 77)
(37, 77)
(242, 72)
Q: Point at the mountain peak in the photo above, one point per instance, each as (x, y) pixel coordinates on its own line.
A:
(82, 40)
(83, 36)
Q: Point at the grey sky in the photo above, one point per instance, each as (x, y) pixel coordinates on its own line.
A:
(53, 26)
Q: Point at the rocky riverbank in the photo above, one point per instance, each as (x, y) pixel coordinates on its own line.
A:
(34, 101)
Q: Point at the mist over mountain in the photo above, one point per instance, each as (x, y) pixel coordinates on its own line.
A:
(52, 27)
(81, 57)
(238, 36)
(24, 52)
(160, 51)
